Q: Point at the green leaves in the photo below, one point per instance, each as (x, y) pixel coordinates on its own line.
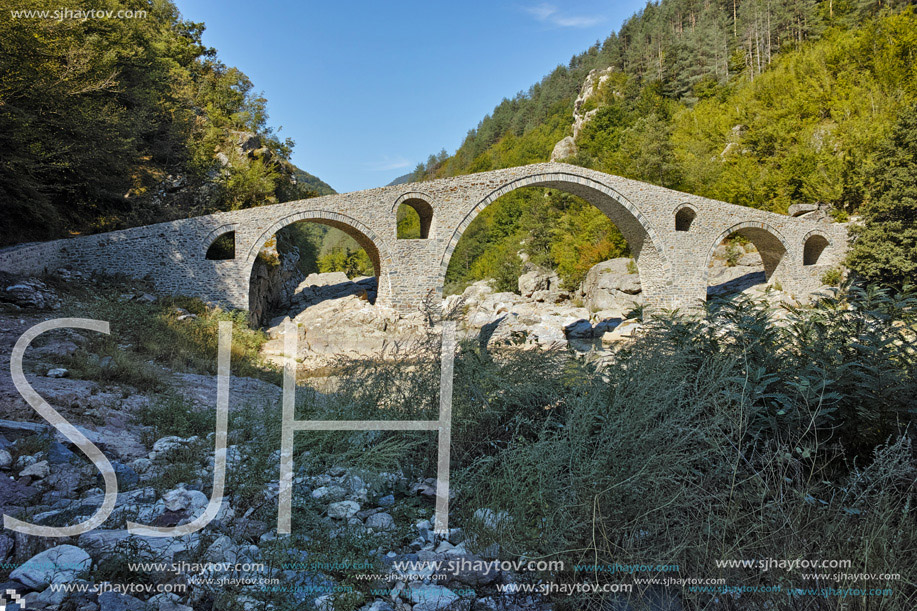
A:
(94, 113)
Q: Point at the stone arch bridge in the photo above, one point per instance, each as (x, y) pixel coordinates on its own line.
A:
(672, 236)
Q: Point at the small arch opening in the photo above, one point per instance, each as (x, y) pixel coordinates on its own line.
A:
(746, 258)
(812, 249)
(415, 219)
(223, 247)
(683, 218)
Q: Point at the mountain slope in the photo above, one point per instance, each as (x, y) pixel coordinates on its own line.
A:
(313, 182)
(773, 104)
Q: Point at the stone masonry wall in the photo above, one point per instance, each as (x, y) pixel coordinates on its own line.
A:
(672, 264)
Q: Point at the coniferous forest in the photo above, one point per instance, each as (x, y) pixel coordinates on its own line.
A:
(757, 103)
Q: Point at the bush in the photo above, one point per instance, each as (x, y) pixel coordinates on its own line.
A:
(703, 442)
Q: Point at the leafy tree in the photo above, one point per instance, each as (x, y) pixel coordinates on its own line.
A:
(96, 113)
(352, 262)
(885, 250)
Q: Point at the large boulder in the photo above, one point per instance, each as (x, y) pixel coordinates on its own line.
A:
(612, 285)
(564, 149)
(61, 564)
(538, 280)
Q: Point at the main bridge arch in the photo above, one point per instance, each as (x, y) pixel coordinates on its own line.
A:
(645, 244)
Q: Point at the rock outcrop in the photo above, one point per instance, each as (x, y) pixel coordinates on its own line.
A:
(275, 278)
(566, 147)
(612, 287)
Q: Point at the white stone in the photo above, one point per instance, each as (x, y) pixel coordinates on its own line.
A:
(194, 501)
(381, 521)
(39, 470)
(431, 597)
(343, 509)
(61, 564)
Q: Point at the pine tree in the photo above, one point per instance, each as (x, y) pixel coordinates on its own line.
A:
(885, 250)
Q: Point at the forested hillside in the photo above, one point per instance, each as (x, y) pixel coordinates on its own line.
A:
(758, 103)
(107, 123)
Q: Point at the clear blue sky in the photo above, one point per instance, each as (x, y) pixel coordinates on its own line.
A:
(369, 89)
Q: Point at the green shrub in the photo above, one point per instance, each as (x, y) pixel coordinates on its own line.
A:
(833, 276)
(700, 445)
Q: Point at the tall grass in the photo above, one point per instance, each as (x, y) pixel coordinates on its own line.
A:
(744, 437)
(147, 337)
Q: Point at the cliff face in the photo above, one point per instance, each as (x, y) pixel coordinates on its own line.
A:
(275, 277)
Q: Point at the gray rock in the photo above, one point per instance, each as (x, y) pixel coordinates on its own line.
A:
(31, 293)
(48, 600)
(537, 280)
(5, 459)
(474, 578)
(343, 509)
(381, 521)
(329, 493)
(626, 329)
(432, 597)
(39, 470)
(387, 501)
(142, 465)
(222, 550)
(61, 564)
(609, 285)
(59, 454)
(58, 372)
(580, 329)
(128, 479)
(326, 279)
(181, 499)
(564, 149)
(169, 444)
(750, 259)
(800, 209)
(6, 547)
(167, 602)
(15, 494)
(113, 601)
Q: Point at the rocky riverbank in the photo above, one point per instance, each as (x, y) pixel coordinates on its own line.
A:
(337, 316)
(161, 445)
(145, 398)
